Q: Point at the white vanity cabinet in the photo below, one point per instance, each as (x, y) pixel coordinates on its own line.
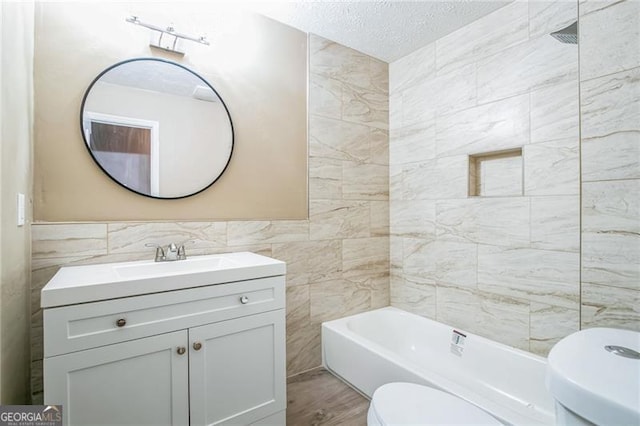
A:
(143, 381)
(207, 355)
(234, 377)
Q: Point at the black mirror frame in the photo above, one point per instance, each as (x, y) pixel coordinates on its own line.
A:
(86, 143)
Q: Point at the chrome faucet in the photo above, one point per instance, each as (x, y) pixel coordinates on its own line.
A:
(172, 252)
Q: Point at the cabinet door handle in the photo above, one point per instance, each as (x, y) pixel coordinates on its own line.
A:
(197, 346)
(244, 300)
(181, 350)
(121, 322)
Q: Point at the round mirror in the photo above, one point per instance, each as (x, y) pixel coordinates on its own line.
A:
(157, 128)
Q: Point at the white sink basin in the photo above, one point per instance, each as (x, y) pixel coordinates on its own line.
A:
(90, 283)
(188, 266)
(595, 374)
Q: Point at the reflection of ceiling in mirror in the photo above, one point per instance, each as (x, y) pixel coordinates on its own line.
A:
(160, 77)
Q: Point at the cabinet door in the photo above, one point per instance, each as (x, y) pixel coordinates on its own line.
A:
(238, 374)
(141, 382)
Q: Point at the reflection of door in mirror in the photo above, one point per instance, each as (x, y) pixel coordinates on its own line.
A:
(127, 149)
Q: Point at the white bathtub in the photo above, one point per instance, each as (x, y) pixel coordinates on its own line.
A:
(390, 345)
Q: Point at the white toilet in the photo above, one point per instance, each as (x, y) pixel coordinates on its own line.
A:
(594, 376)
(411, 404)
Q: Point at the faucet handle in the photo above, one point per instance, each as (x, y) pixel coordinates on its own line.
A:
(159, 251)
(182, 254)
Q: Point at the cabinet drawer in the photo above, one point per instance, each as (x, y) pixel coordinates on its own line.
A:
(77, 327)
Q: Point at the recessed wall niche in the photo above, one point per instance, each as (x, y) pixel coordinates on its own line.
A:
(496, 174)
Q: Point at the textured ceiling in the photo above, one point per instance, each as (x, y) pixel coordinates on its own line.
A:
(387, 30)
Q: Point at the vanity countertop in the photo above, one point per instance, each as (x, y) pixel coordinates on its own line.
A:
(89, 283)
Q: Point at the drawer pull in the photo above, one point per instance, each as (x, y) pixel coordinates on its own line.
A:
(197, 346)
(181, 350)
(121, 322)
(244, 300)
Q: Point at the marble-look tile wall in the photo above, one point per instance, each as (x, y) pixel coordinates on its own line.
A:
(505, 266)
(610, 106)
(337, 260)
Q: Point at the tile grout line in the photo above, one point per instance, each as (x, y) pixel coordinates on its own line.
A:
(580, 261)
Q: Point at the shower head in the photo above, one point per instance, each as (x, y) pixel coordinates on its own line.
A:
(568, 35)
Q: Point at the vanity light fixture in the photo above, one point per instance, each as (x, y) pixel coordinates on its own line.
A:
(166, 38)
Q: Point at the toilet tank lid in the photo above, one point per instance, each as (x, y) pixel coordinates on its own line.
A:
(594, 382)
(408, 403)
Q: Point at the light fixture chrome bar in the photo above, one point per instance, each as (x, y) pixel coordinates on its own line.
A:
(168, 30)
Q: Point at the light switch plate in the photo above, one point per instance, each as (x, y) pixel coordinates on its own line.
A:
(21, 209)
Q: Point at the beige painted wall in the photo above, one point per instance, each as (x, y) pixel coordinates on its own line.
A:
(16, 120)
(337, 260)
(257, 65)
